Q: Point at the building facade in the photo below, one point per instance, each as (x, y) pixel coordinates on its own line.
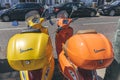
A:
(50, 2)
(11, 2)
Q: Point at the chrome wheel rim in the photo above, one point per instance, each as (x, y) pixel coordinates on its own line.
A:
(92, 14)
(5, 18)
(112, 13)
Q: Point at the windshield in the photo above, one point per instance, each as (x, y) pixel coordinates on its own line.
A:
(14, 6)
(58, 5)
(18, 6)
(115, 3)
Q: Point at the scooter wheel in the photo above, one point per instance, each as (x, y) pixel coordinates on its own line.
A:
(57, 74)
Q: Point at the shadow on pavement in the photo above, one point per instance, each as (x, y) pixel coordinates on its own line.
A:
(99, 78)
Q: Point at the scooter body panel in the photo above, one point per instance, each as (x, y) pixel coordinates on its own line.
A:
(31, 49)
(61, 37)
(78, 59)
(69, 70)
(37, 24)
(64, 22)
(96, 48)
(26, 44)
(41, 74)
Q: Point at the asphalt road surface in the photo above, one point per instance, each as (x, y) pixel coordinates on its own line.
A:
(103, 24)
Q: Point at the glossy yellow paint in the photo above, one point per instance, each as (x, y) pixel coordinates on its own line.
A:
(31, 51)
(36, 25)
(23, 48)
(49, 69)
(24, 75)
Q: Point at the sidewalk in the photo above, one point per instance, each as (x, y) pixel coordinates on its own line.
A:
(9, 76)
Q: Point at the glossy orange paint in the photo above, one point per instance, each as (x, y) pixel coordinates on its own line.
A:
(83, 53)
(89, 51)
(61, 37)
(64, 22)
(69, 69)
(65, 33)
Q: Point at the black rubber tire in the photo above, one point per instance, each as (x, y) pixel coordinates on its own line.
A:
(92, 14)
(112, 13)
(57, 74)
(5, 18)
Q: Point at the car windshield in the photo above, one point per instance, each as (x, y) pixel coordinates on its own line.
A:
(115, 3)
(18, 6)
(58, 5)
(14, 6)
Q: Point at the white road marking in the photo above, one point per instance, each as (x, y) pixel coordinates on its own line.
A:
(100, 23)
(13, 28)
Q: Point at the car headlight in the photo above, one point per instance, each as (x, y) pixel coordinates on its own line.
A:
(105, 7)
(99, 9)
(2, 11)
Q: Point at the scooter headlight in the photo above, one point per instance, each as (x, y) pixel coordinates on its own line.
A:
(27, 62)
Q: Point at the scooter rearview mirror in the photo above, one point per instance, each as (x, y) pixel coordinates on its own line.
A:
(31, 15)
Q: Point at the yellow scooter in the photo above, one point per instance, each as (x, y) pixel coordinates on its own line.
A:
(30, 51)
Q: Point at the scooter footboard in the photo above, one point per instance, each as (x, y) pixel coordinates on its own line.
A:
(68, 70)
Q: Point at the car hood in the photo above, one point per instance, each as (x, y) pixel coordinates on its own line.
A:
(57, 6)
(90, 8)
(3, 11)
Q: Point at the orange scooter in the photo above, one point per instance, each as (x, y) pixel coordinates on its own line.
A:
(64, 31)
(79, 55)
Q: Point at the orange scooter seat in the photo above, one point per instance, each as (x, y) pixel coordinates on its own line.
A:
(89, 50)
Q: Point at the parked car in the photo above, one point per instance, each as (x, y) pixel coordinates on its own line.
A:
(18, 11)
(110, 9)
(81, 11)
(1, 8)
